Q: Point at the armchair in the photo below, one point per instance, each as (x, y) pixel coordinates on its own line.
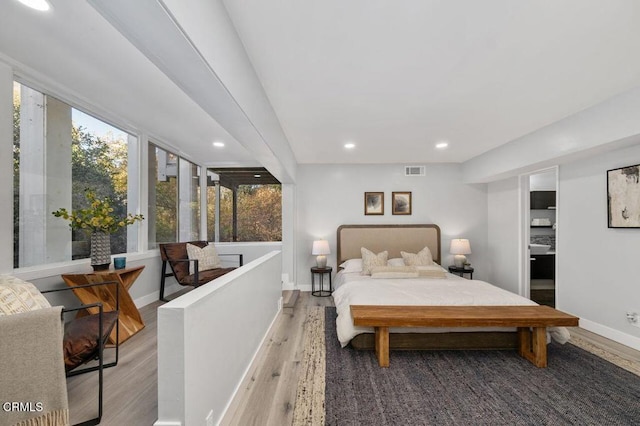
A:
(83, 341)
(175, 254)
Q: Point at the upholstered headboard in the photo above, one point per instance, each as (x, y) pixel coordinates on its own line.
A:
(393, 238)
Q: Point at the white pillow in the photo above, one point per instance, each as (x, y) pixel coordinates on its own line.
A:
(352, 265)
(370, 259)
(422, 258)
(207, 257)
(17, 296)
(396, 261)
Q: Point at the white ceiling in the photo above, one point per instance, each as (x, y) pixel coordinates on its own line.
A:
(395, 77)
(392, 77)
(75, 54)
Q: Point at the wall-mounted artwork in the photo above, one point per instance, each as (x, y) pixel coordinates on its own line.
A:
(401, 202)
(374, 203)
(623, 197)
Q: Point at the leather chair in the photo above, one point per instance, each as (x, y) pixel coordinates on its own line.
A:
(175, 254)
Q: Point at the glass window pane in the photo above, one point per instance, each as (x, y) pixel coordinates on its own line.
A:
(59, 152)
(257, 215)
(189, 193)
(163, 200)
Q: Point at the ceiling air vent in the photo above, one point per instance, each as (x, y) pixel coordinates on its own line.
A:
(414, 170)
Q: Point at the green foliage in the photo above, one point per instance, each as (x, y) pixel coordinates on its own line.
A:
(259, 213)
(166, 210)
(99, 163)
(98, 217)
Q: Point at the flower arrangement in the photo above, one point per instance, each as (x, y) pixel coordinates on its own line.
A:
(98, 217)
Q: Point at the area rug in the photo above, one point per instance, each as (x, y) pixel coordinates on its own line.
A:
(469, 388)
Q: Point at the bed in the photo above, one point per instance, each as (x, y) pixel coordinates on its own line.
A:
(438, 289)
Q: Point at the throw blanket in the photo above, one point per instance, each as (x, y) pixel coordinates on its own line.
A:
(32, 369)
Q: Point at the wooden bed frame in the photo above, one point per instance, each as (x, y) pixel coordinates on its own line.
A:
(412, 238)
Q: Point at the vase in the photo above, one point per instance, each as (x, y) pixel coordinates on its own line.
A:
(100, 251)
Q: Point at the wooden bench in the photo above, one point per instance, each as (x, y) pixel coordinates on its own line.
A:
(531, 322)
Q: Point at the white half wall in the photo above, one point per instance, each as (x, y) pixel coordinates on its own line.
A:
(208, 338)
(332, 195)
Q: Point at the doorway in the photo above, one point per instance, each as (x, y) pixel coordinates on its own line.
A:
(539, 207)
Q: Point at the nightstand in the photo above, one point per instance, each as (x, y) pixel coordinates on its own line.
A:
(321, 271)
(461, 271)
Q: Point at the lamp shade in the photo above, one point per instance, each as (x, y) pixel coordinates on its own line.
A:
(320, 247)
(460, 246)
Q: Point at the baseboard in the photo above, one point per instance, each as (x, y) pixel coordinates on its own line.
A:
(304, 287)
(155, 296)
(610, 333)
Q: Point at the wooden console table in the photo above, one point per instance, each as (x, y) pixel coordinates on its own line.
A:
(129, 318)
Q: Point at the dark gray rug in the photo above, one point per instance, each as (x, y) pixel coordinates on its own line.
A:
(475, 388)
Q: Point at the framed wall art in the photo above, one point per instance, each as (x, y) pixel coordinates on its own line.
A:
(401, 202)
(374, 203)
(623, 197)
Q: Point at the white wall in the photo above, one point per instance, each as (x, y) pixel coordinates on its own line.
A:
(596, 277)
(208, 338)
(543, 181)
(333, 195)
(597, 271)
(503, 234)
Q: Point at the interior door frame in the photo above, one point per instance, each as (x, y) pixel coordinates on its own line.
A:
(524, 282)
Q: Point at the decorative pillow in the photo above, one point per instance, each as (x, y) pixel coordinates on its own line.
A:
(352, 265)
(17, 296)
(394, 272)
(422, 258)
(396, 261)
(370, 259)
(207, 257)
(80, 341)
(433, 271)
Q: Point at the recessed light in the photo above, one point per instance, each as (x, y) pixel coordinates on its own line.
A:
(442, 145)
(218, 144)
(41, 5)
(257, 176)
(349, 145)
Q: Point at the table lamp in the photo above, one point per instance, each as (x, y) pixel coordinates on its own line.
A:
(460, 247)
(320, 249)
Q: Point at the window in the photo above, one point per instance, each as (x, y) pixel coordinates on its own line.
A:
(58, 153)
(248, 202)
(174, 198)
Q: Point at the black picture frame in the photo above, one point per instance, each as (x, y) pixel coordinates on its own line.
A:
(623, 197)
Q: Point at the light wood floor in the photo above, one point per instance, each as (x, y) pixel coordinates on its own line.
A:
(265, 398)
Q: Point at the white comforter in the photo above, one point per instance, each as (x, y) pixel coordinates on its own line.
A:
(356, 289)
